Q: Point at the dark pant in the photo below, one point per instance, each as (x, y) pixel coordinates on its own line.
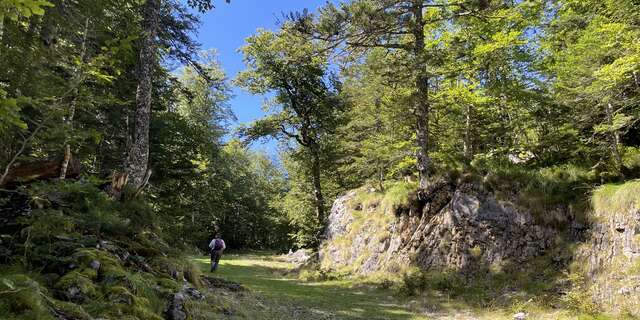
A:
(215, 258)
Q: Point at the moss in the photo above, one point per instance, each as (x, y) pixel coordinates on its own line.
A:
(21, 297)
(119, 294)
(110, 268)
(476, 251)
(551, 194)
(168, 283)
(71, 309)
(73, 281)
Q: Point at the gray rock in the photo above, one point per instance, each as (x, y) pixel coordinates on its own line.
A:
(520, 316)
(299, 257)
(464, 230)
(176, 309)
(95, 265)
(609, 255)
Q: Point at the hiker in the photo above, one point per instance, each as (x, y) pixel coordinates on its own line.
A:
(217, 246)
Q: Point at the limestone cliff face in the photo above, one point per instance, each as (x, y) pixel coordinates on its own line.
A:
(610, 259)
(447, 227)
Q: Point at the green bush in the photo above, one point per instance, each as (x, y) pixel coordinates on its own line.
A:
(631, 159)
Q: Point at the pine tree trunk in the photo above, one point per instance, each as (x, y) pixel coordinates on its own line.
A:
(138, 155)
(317, 187)
(421, 97)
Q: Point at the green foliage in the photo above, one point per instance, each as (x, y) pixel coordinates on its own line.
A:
(397, 195)
(14, 9)
(9, 113)
(631, 159)
(537, 101)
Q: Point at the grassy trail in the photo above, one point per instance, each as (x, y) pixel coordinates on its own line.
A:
(270, 277)
(341, 299)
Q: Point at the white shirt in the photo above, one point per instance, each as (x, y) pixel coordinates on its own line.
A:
(213, 243)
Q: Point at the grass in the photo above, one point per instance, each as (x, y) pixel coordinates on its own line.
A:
(616, 198)
(360, 298)
(267, 275)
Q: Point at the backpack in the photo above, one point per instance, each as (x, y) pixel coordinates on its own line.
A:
(217, 245)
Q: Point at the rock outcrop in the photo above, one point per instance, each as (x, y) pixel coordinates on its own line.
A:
(610, 259)
(449, 226)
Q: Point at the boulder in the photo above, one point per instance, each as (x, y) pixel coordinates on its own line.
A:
(299, 257)
(449, 226)
(609, 261)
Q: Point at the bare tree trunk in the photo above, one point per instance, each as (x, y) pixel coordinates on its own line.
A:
(421, 97)
(614, 138)
(1, 27)
(138, 155)
(467, 147)
(69, 120)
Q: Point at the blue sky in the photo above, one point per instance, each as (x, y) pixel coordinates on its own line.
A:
(227, 26)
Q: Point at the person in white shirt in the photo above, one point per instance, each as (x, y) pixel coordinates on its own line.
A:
(217, 247)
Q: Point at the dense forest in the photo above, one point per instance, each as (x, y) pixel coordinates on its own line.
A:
(116, 127)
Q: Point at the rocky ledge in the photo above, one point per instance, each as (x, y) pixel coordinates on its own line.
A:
(450, 226)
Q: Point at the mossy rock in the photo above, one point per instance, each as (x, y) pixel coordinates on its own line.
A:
(109, 270)
(145, 250)
(22, 298)
(171, 267)
(76, 287)
(119, 294)
(169, 284)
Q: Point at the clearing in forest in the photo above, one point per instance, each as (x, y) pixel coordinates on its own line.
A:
(272, 279)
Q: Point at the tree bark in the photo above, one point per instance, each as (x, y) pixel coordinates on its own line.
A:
(614, 138)
(421, 96)
(69, 120)
(138, 155)
(317, 187)
(467, 147)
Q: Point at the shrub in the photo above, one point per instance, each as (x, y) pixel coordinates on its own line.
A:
(631, 159)
(397, 195)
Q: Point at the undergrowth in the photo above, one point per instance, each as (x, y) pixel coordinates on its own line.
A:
(553, 195)
(75, 253)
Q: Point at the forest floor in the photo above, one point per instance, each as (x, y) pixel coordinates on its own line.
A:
(272, 278)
